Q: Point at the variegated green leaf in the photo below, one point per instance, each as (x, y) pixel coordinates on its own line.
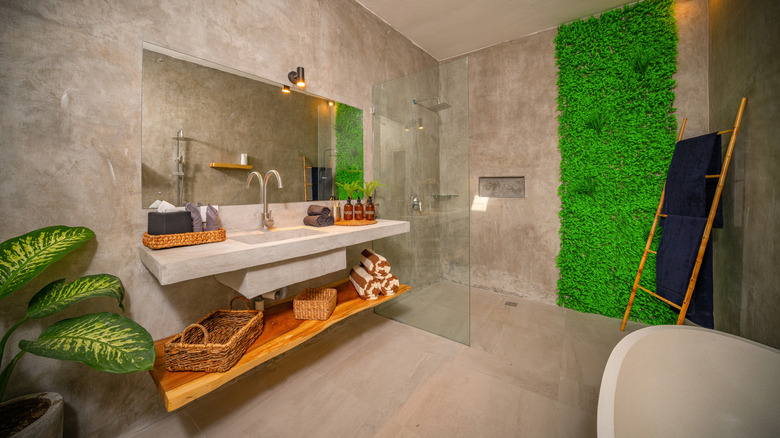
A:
(105, 341)
(57, 295)
(24, 257)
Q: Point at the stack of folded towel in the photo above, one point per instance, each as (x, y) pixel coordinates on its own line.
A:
(372, 276)
(318, 216)
(204, 218)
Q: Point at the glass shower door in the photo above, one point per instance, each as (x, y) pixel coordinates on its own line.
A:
(421, 155)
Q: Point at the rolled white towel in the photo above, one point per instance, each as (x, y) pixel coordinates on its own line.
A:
(367, 287)
(389, 284)
(374, 263)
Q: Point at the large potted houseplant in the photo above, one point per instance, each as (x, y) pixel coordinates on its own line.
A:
(104, 341)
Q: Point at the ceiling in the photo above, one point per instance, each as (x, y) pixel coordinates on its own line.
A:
(448, 28)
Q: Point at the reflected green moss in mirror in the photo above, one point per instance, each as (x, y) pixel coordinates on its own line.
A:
(349, 143)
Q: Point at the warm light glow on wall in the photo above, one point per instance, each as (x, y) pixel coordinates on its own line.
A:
(479, 204)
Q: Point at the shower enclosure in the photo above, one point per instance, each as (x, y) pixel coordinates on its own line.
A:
(421, 154)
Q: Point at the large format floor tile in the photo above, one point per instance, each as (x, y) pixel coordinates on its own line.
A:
(532, 370)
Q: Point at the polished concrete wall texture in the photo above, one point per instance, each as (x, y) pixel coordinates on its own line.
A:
(71, 152)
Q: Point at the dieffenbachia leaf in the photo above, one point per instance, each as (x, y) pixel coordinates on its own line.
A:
(24, 257)
(58, 295)
(105, 341)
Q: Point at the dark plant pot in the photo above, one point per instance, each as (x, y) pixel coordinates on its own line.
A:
(38, 415)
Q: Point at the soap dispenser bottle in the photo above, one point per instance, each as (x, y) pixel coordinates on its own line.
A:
(348, 210)
(358, 210)
(370, 210)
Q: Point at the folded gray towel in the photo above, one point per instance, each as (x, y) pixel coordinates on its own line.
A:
(197, 221)
(318, 221)
(212, 218)
(318, 210)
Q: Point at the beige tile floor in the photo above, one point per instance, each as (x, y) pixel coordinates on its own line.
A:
(531, 371)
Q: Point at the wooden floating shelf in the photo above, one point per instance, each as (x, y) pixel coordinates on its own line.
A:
(231, 166)
(281, 333)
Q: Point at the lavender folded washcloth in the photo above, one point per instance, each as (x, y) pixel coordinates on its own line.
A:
(197, 221)
(318, 221)
(318, 210)
(212, 218)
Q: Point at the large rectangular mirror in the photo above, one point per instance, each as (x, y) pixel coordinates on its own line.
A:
(196, 113)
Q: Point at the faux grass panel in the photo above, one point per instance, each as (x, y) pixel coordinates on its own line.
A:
(349, 146)
(617, 130)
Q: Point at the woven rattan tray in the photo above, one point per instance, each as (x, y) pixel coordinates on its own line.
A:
(216, 342)
(354, 222)
(161, 241)
(314, 303)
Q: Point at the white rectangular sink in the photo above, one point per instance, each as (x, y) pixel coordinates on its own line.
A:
(248, 250)
(275, 235)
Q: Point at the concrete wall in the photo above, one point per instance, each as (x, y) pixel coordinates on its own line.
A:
(514, 132)
(71, 149)
(743, 62)
(513, 129)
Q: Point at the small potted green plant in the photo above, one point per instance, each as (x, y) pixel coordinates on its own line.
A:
(368, 190)
(350, 188)
(105, 341)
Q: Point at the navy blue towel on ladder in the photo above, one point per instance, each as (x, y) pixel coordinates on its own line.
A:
(687, 202)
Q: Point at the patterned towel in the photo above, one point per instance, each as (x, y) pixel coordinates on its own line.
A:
(375, 264)
(390, 284)
(367, 287)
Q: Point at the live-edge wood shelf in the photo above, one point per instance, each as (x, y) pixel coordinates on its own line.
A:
(281, 333)
(231, 166)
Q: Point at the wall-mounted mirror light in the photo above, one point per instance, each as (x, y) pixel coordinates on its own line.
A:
(296, 77)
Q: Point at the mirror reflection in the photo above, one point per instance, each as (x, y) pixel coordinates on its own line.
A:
(205, 125)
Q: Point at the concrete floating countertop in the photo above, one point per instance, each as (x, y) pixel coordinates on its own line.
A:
(250, 248)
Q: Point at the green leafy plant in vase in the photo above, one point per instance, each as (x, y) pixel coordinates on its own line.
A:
(105, 341)
(350, 188)
(369, 188)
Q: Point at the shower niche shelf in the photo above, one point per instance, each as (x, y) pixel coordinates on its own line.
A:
(281, 332)
(230, 166)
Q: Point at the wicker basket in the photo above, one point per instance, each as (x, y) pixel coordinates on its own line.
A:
(161, 241)
(220, 340)
(314, 303)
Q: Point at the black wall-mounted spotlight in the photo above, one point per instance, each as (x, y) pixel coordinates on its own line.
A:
(296, 77)
(286, 89)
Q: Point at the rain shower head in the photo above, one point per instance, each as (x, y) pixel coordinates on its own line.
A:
(435, 108)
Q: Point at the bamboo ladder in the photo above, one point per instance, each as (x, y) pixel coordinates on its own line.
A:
(707, 229)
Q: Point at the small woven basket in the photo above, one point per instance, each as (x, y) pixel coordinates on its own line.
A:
(161, 241)
(223, 337)
(314, 303)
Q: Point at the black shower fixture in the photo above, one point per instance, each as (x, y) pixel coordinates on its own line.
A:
(296, 77)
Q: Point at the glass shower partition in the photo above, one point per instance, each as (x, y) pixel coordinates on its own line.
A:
(421, 154)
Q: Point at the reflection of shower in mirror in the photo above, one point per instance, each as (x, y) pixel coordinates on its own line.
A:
(178, 171)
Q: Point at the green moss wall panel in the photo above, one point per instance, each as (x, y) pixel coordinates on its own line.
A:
(617, 130)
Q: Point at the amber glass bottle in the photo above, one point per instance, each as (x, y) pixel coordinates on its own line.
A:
(348, 210)
(370, 210)
(358, 210)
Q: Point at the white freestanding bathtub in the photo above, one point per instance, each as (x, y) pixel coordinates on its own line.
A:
(682, 381)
